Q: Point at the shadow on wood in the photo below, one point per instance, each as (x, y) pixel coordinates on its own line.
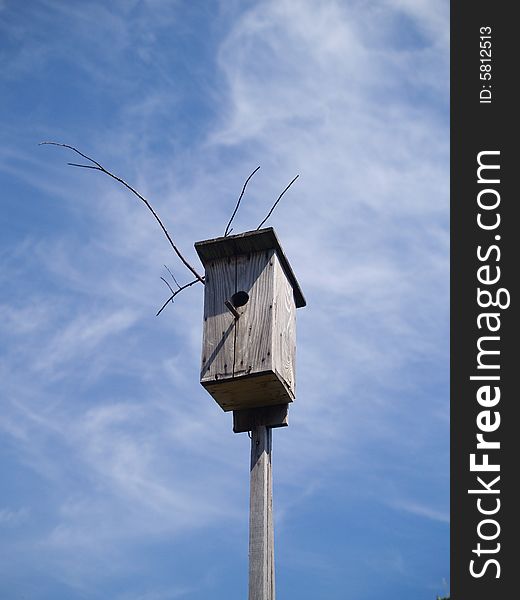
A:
(269, 416)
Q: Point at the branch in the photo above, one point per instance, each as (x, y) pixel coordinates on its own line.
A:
(171, 289)
(238, 203)
(84, 166)
(278, 200)
(98, 167)
(172, 275)
(170, 299)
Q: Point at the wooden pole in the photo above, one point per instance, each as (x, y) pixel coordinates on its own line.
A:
(261, 532)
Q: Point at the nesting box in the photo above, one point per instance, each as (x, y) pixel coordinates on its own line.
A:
(249, 337)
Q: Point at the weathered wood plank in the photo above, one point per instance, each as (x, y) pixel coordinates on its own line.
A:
(262, 389)
(219, 324)
(253, 340)
(261, 530)
(283, 327)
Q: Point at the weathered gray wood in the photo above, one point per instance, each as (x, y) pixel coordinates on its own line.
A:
(270, 416)
(219, 324)
(262, 389)
(254, 328)
(283, 327)
(247, 243)
(261, 531)
(231, 346)
(255, 341)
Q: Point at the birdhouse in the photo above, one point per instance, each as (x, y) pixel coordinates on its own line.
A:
(249, 336)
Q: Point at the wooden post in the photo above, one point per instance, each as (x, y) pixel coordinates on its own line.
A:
(261, 531)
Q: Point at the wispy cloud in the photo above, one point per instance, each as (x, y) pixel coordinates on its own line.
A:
(422, 510)
(81, 337)
(13, 517)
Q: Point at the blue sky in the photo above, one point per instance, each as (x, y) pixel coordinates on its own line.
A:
(121, 477)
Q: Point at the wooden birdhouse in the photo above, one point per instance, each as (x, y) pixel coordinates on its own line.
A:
(249, 339)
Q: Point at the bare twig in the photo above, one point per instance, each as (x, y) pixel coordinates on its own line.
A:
(278, 200)
(172, 275)
(238, 203)
(170, 299)
(98, 167)
(171, 289)
(84, 166)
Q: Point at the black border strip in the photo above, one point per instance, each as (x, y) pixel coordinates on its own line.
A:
(482, 126)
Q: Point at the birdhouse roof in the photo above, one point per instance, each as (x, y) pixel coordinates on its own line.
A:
(246, 243)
